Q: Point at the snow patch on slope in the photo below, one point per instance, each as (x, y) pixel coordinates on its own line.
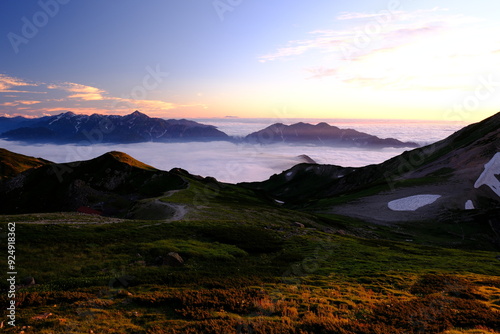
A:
(412, 203)
(488, 177)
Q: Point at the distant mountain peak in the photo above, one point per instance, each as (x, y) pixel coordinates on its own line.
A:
(126, 159)
(137, 113)
(68, 114)
(323, 124)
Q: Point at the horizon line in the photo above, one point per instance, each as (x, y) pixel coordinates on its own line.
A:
(278, 119)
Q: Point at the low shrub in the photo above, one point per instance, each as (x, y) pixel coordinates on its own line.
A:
(26, 299)
(448, 284)
(201, 304)
(435, 313)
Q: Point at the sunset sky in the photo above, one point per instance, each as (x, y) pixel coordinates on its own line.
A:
(392, 59)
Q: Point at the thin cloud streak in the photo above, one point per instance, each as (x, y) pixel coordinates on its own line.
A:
(80, 92)
(424, 50)
(399, 24)
(356, 15)
(8, 82)
(322, 72)
(17, 103)
(75, 97)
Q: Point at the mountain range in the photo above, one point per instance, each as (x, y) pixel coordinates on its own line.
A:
(133, 128)
(138, 127)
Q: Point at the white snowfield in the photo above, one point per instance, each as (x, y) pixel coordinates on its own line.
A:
(412, 203)
(488, 176)
(469, 205)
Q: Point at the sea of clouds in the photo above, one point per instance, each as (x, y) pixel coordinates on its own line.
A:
(227, 162)
(230, 162)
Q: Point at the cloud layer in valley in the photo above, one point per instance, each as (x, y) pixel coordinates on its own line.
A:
(225, 161)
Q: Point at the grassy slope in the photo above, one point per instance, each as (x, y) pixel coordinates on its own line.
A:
(248, 267)
(125, 158)
(12, 163)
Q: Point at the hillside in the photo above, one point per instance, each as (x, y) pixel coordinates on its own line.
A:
(447, 190)
(449, 167)
(109, 184)
(12, 163)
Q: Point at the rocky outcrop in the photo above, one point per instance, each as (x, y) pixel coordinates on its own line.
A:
(172, 259)
(28, 281)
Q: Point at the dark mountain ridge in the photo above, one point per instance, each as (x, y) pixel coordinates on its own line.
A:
(321, 133)
(135, 127)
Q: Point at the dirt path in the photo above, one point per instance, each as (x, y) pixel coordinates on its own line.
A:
(158, 210)
(179, 210)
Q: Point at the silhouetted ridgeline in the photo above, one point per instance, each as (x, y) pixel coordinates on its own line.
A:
(138, 127)
(132, 128)
(321, 134)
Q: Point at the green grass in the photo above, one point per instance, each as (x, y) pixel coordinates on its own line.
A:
(49, 251)
(192, 249)
(208, 192)
(246, 264)
(458, 231)
(233, 270)
(350, 196)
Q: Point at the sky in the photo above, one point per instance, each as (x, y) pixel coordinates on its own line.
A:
(391, 59)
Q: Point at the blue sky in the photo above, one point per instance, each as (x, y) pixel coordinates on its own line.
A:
(369, 59)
